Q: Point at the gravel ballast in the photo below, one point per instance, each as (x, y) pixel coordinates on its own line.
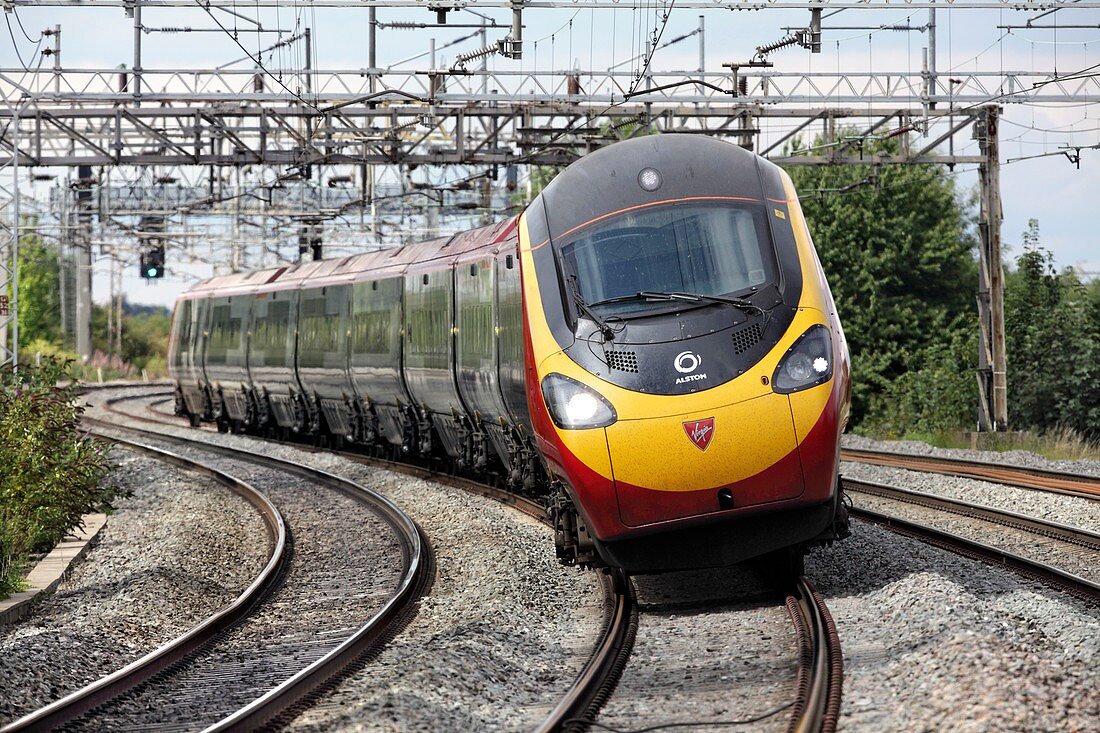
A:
(712, 645)
(1072, 558)
(173, 553)
(1075, 511)
(933, 641)
(1019, 458)
(502, 634)
(345, 564)
(499, 639)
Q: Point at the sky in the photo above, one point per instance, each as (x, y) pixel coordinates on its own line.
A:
(1064, 199)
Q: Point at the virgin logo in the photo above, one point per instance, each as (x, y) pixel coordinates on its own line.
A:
(700, 432)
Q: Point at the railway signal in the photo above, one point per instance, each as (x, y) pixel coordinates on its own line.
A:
(152, 263)
(152, 247)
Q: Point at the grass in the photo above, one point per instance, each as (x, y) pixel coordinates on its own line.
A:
(1062, 444)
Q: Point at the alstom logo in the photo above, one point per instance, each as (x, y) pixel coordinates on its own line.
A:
(687, 362)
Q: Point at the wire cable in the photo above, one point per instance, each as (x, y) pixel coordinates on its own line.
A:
(15, 46)
(695, 724)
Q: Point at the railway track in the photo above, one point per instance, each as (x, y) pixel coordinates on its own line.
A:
(1028, 478)
(601, 671)
(247, 666)
(111, 686)
(1017, 536)
(819, 680)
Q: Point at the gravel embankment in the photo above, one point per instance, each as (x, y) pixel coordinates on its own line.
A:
(712, 645)
(174, 552)
(1075, 511)
(933, 641)
(501, 636)
(1020, 458)
(1080, 561)
(344, 566)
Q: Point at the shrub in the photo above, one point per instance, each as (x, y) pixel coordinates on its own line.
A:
(939, 394)
(11, 579)
(51, 471)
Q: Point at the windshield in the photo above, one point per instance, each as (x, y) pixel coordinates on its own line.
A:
(708, 249)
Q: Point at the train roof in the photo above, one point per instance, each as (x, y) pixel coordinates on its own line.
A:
(470, 245)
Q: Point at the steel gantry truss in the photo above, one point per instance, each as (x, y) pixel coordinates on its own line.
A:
(279, 132)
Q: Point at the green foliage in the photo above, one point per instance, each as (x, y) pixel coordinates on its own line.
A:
(939, 395)
(897, 247)
(145, 338)
(1052, 332)
(39, 290)
(51, 472)
(11, 577)
(144, 328)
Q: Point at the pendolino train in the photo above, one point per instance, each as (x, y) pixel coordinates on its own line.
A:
(651, 347)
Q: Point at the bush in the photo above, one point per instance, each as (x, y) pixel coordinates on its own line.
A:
(11, 578)
(51, 472)
(937, 395)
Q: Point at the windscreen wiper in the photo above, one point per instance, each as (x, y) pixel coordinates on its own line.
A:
(606, 330)
(739, 303)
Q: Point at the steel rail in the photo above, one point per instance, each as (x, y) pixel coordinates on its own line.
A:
(1029, 478)
(1049, 574)
(597, 679)
(821, 662)
(1035, 525)
(106, 688)
(386, 622)
(594, 685)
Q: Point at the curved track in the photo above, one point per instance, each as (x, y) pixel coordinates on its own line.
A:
(820, 676)
(601, 671)
(300, 666)
(1028, 478)
(821, 662)
(1072, 541)
(89, 697)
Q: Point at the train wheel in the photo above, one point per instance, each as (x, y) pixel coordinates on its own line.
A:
(195, 420)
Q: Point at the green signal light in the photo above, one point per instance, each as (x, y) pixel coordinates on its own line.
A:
(151, 272)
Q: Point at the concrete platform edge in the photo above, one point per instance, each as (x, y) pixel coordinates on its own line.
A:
(53, 568)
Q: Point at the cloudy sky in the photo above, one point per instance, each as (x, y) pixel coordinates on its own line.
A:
(1065, 199)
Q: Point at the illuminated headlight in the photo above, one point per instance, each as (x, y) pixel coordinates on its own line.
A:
(572, 405)
(808, 363)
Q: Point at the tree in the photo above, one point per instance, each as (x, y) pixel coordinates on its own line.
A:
(39, 290)
(896, 243)
(1052, 333)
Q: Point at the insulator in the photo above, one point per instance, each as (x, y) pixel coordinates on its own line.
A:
(465, 58)
(789, 40)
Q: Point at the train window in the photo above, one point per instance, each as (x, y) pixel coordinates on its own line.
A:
(709, 249)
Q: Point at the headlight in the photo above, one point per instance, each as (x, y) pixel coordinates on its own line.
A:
(808, 363)
(572, 405)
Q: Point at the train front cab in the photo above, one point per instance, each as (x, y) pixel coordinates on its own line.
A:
(675, 425)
